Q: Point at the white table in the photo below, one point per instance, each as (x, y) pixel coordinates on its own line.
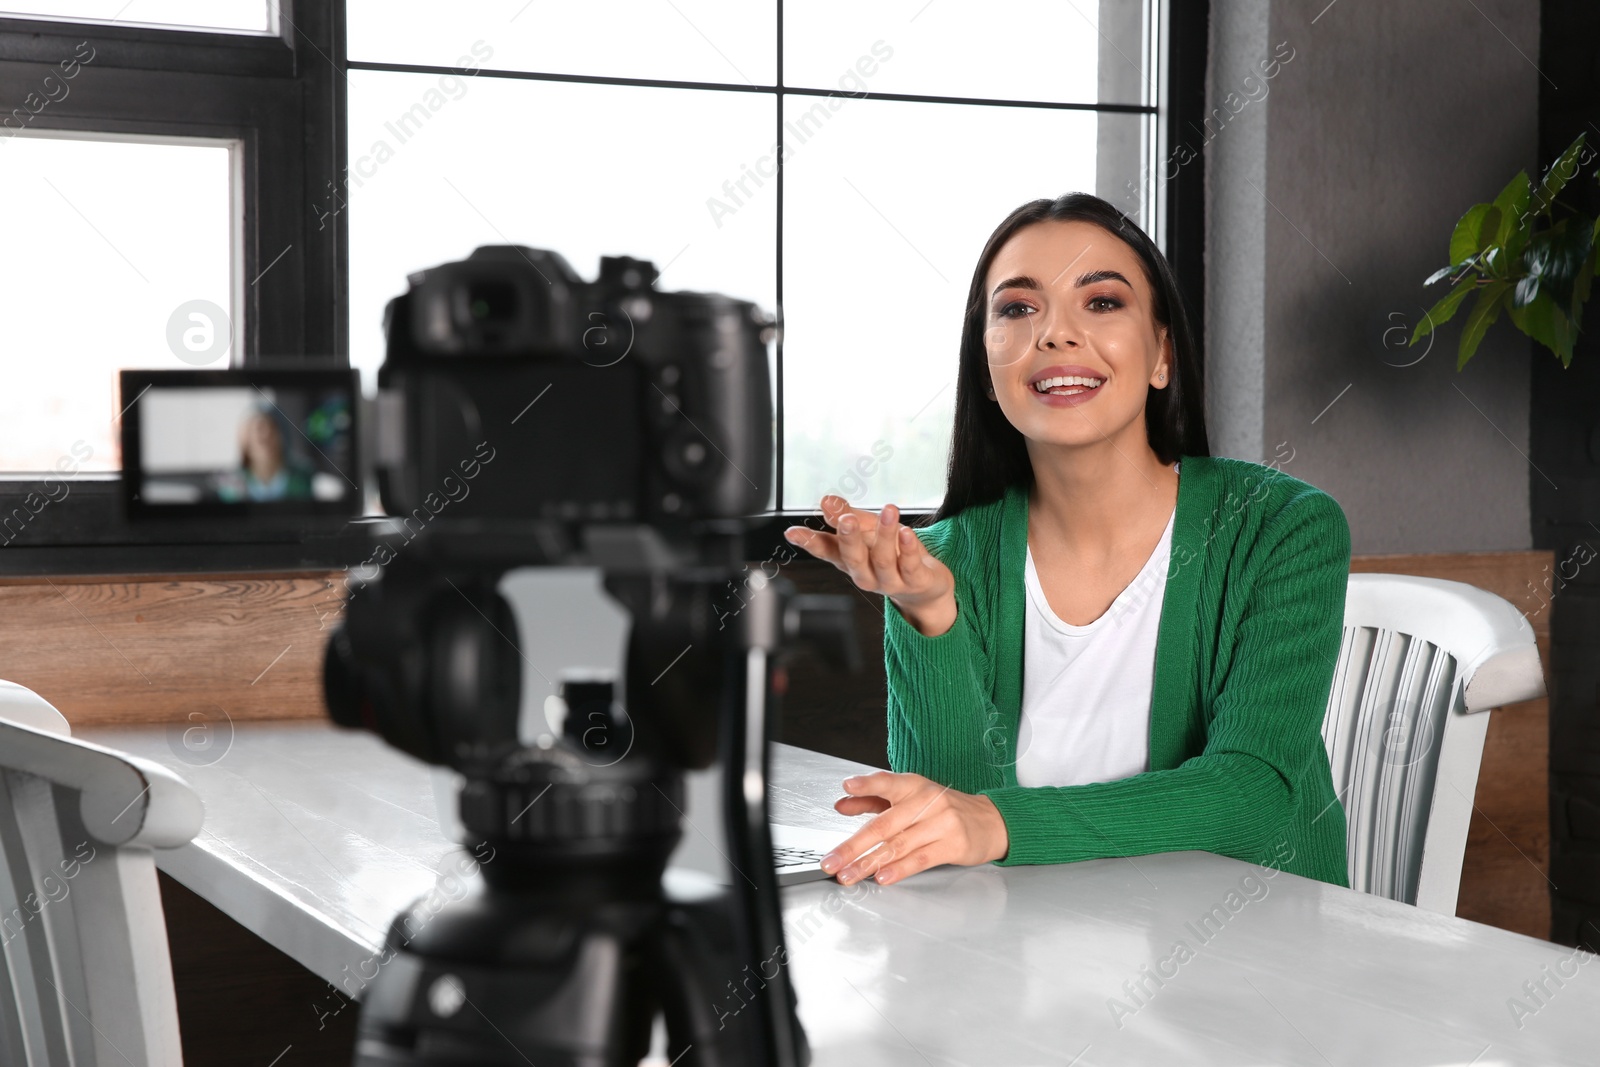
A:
(315, 838)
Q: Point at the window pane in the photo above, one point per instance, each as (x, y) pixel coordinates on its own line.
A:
(428, 186)
(1048, 50)
(887, 205)
(228, 16)
(685, 40)
(118, 254)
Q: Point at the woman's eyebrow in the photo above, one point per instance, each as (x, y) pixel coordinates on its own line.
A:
(1101, 276)
(1024, 281)
(1021, 281)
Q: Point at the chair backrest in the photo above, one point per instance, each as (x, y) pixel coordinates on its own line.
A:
(1421, 663)
(87, 980)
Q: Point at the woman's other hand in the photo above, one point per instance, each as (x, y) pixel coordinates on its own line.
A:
(920, 824)
(883, 556)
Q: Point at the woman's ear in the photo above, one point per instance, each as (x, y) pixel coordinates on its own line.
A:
(1164, 360)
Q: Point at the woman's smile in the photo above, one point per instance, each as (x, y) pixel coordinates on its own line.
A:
(1065, 386)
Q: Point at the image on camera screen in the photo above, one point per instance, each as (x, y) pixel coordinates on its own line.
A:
(246, 444)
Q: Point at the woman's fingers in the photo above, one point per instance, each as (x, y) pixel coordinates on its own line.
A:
(884, 555)
(912, 558)
(904, 867)
(860, 805)
(916, 837)
(821, 544)
(888, 788)
(854, 540)
(920, 824)
(818, 543)
(836, 507)
(878, 552)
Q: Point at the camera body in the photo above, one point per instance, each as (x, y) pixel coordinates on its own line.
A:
(572, 401)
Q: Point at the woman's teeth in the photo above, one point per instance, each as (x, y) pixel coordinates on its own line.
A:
(1051, 385)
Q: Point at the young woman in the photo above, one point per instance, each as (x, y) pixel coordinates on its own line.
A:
(1106, 642)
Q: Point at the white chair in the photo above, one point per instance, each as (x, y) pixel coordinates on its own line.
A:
(1422, 662)
(87, 981)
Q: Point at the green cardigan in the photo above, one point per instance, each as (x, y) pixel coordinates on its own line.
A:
(1250, 629)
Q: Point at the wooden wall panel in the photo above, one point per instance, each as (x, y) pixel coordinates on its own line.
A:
(170, 648)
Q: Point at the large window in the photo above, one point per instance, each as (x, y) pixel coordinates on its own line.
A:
(248, 182)
(840, 162)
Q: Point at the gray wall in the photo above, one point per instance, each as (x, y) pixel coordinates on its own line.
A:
(1389, 120)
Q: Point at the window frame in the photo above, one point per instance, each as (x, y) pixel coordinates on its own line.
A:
(282, 98)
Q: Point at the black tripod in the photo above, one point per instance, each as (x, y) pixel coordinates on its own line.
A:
(572, 946)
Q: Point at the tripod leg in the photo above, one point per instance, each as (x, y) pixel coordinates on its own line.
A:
(749, 711)
(710, 1022)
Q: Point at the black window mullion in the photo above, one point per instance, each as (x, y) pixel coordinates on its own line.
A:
(778, 420)
(1187, 32)
(167, 51)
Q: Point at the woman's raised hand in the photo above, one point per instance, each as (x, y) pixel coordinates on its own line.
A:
(883, 556)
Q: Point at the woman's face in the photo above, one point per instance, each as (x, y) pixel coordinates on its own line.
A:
(1070, 300)
(261, 440)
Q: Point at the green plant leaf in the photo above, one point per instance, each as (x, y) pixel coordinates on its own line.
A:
(1566, 338)
(1569, 251)
(1536, 261)
(1444, 310)
(1440, 274)
(1470, 233)
(1555, 179)
(1544, 321)
(1526, 291)
(1471, 263)
(1519, 238)
(1513, 205)
(1490, 233)
(1484, 311)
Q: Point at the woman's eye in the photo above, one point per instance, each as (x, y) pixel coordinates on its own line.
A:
(1013, 310)
(1110, 303)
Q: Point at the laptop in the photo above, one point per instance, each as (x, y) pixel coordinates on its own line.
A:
(796, 850)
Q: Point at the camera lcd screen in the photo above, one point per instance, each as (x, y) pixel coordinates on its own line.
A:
(240, 442)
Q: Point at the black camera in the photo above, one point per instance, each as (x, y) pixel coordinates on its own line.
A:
(595, 401)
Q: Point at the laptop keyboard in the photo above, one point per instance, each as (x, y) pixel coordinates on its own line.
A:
(783, 856)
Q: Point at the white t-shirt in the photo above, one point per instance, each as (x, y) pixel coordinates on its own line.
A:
(1086, 689)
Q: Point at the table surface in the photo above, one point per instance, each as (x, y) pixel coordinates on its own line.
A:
(315, 838)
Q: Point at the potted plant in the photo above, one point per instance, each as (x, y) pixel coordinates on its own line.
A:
(1521, 259)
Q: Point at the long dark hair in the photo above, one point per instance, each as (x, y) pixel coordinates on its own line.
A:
(987, 453)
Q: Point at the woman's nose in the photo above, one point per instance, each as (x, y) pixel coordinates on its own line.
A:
(1057, 329)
